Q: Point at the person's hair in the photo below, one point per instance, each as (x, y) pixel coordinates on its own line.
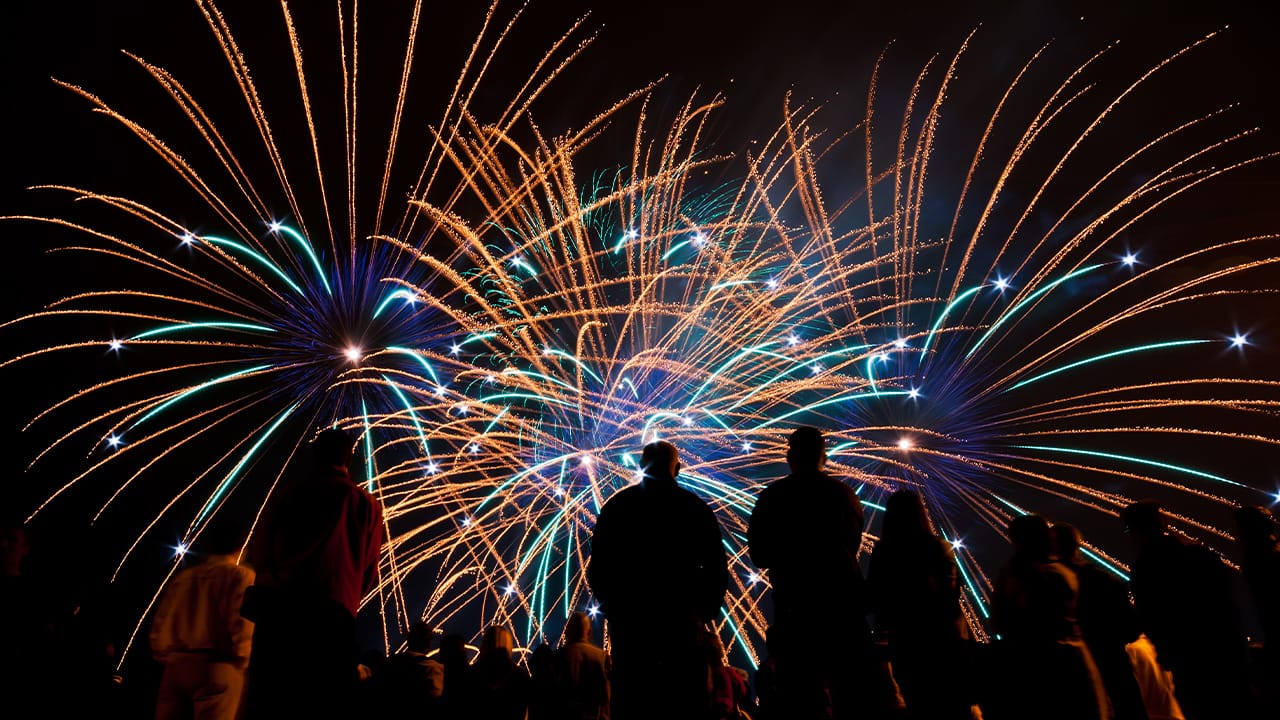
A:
(1143, 516)
(806, 447)
(1030, 537)
(497, 640)
(420, 638)
(1066, 541)
(453, 650)
(578, 628)
(1256, 525)
(660, 459)
(332, 447)
(905, 518)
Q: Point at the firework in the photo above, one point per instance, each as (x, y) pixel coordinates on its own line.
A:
(507, 338)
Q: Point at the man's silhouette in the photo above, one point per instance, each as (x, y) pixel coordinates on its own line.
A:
(659, 570)
(806, 530)
(1183, 593)
(316, 556)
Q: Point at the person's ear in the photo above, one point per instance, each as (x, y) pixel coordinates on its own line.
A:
(677, 472)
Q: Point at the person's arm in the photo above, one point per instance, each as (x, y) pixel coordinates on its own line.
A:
(715, 565)
(373, 549)
(239, 630)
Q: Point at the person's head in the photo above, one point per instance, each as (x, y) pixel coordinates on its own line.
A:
(420, 638)
(13, 548)
(332, 448)
(1255, 526)
(1143, 521)
(223, 537)
(904, 517)
(1031, 539)
(660, 461)
(806, 450)
(577, 629)
(453, 649)
(497, 640)
(1066, 542)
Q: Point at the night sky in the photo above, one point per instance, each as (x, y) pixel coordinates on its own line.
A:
(753, 53)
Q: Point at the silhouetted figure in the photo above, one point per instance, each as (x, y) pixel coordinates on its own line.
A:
(1185, 603)
(1043, 668)
(499, 688)
(806, 530)
(1108, 622)
(659, 570)
(457, 676)
(1155, 683)
(27, 626)
(583, 670)
(1260, 564)
(316, 556)
(199, 636)
(410, 683)
(729, 690)
(915, 596)
(544, 691)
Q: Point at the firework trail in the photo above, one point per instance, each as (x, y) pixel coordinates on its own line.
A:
(508, 339)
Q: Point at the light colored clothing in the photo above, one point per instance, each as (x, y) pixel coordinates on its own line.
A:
(1155, 682)
(200, 612)
(199, 687)
(203, 641)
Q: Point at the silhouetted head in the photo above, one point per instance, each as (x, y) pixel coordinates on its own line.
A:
(497, 641)
(453, 650)
(1143, 521)
(332, 448)
(904, 517)
(1255, 526)
(420, 638)
(223, 537)
(806, 450)
(1066, 542)
(660, 461)
(1031, 539)
(577, 629)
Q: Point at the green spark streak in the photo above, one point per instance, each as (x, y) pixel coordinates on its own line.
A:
(527, 396)
(244, 460)
(422, 435)
(188, 393)
(1133, 459)
(262, 259)
(1098, 559)
(311, 254)
(729, 363)
(548, 378)
(575, 361)
(1010, 312)
(793, 368)
(368, 447)
(404, 294)
(741, 640)
(973, 590)
(197, 325)
(421, 361)
(928, 340)
(1105, 356)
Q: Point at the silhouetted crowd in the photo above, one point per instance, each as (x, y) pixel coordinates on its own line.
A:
(276, 636)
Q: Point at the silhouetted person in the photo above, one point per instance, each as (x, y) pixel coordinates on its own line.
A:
(316, 556)
(806, 530)
(1185, 603)
(27, 626)
(583, 670)
(1043, 668)
(915, 596)
(410, 683)
(199, 636)
(1108, 622)
(1260, 563)
(457, 675)
(499, 688)
(544, 691)
(659, 570)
